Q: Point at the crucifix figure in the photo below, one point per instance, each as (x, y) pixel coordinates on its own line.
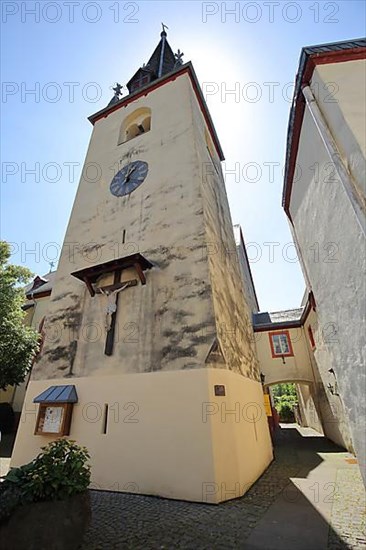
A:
(112, 294)
(91, 275)
(111, 308)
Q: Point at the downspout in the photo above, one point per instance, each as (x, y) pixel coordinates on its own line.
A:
(346, 180)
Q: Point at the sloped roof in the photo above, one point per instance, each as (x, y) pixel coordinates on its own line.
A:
(39, 285)
(58, 394)
(160, 63)
(278, 319)
(168, 59)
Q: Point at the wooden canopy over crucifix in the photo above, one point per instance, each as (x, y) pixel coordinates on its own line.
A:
(90, 276)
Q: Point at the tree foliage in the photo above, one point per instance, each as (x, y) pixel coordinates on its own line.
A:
(285, 398)
(18, 343)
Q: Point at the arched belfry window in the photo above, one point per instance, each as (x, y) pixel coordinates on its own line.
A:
(135, 124)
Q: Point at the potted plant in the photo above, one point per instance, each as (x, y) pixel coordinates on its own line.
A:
(45, 504)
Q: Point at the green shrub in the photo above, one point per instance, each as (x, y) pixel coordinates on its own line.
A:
(286, 412)
(58, 472)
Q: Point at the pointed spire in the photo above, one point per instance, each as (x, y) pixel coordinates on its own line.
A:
(163, 35)
(162, 61)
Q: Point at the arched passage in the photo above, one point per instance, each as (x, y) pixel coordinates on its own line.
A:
(296, 401)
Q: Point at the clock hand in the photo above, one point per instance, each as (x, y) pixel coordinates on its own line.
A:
(129, 173)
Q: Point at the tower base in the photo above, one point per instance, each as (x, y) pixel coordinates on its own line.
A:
(163, 433)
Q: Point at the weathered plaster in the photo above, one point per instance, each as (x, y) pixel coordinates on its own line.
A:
(340, 90)
(333, 253)
(190, 316)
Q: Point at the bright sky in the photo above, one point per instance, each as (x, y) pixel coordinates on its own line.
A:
(71, 53)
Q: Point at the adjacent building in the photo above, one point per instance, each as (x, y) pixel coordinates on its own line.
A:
(37, 295)
(324, 199)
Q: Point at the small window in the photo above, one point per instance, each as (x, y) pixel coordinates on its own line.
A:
(311, 337)
(281, 344)
(140, 82)
(135, 124)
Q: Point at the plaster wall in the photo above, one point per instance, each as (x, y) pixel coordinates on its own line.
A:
(329, 406)
(334, 259)
(230, 301)
(165, 435)
(308, 409)
(249, 290)
(241, 441)
(295, 369)
(191, 317)
(179, 219)
(169, 323)
(340, 89)
(39, 311)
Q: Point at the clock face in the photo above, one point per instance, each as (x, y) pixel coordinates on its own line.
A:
(129, 178)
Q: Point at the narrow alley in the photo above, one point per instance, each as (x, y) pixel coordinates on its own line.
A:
(312, 496)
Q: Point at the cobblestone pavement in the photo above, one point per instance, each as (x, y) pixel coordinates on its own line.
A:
(126, 521)
(348, 511)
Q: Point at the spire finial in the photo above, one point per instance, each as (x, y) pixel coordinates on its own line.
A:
(178, 58)
(117, 90)
(164, 27)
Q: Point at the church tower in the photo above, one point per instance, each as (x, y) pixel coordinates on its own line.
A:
(148, 358)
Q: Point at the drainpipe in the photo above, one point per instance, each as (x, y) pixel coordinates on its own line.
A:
(347, 182)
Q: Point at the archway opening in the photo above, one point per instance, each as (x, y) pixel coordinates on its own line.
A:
(285, 401)
(293, 404)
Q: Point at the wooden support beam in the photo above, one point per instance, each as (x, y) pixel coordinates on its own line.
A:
(140, 273)
(89, 286)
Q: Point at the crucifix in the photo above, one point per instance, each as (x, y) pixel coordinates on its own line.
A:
(91, 275)
(112, 293)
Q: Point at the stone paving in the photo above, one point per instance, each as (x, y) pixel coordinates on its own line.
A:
(126, 521)
(348, 511)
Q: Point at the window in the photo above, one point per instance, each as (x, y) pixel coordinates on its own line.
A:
(280, 344)
(311, 337)
(140, 82)
(135, 124)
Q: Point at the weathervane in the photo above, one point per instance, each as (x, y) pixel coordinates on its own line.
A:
(164, 27)
(51, 264)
